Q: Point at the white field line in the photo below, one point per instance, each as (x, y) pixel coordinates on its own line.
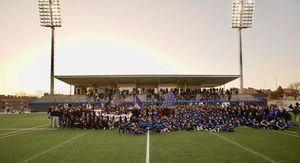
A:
(7, 133)
(148, 148)
(18, 133)
(285, 133)
(54, 147)
(27, 129)
(293, 132)
(244, 148)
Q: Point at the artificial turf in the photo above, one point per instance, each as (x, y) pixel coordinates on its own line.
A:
(72, 145)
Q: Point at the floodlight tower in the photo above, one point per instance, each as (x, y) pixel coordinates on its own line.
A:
(242, 17)
(50, 17)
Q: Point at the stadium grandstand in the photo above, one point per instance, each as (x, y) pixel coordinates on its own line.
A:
(149, 88)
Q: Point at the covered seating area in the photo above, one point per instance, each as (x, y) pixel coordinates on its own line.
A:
(97, 83)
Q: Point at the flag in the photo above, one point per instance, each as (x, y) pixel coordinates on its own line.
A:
(169, 99)
(138, 101)
(117, 98)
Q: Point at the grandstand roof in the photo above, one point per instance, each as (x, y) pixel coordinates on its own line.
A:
(203, 80)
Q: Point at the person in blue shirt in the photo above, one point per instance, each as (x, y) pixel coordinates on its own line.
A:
(159, 127)
(249, 122)
(150, 125)
(122, 127)
(142, 124)
(195, 124)
(205, 127)
(218, 127)
(230, 127)
(210, 126)
(224, 127)
(271, 114)
(129, 127)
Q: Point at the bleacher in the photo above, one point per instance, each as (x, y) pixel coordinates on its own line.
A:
(42, 104)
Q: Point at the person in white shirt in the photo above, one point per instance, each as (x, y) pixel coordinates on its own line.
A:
(128, 116)
(104, 116)
(98, 112)
(117, 118)
(123, 117)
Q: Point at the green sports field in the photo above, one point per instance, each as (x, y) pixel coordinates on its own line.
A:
(27, 138)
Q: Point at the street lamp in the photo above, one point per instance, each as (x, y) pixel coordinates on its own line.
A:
(50, 17)
(242, 16)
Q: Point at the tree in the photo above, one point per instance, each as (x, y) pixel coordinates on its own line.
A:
(295, 89)
(295, 85)
(279, 93)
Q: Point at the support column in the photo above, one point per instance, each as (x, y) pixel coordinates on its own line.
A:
(241, 60)
(52, 63)
(70, 89)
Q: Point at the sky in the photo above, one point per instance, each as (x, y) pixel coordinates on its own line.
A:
(148, 37)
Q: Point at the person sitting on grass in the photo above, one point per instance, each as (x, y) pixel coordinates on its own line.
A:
(189, 126)
(211, 126)
(158, 127)
(122, 127)
(199, 126)
(230, 127)
(249, 122)
(281, 125)
(264, 124)
(272, 124)
(195, 125)
(131, 128)
(174, 125)
(224, 127)
(150, 125)
(255, 123)
(165, 128)
(218, 127)
(205, 126)
(140, 131)
(243, 121)
(142, 124)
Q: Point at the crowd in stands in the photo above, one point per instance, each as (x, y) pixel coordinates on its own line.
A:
(158, 118)
(180, 94)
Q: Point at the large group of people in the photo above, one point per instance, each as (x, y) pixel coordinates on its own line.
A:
(158, 118)
(193, 94)
(158, 95)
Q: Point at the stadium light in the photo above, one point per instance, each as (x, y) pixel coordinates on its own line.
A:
(50, 17)
(242, 17)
